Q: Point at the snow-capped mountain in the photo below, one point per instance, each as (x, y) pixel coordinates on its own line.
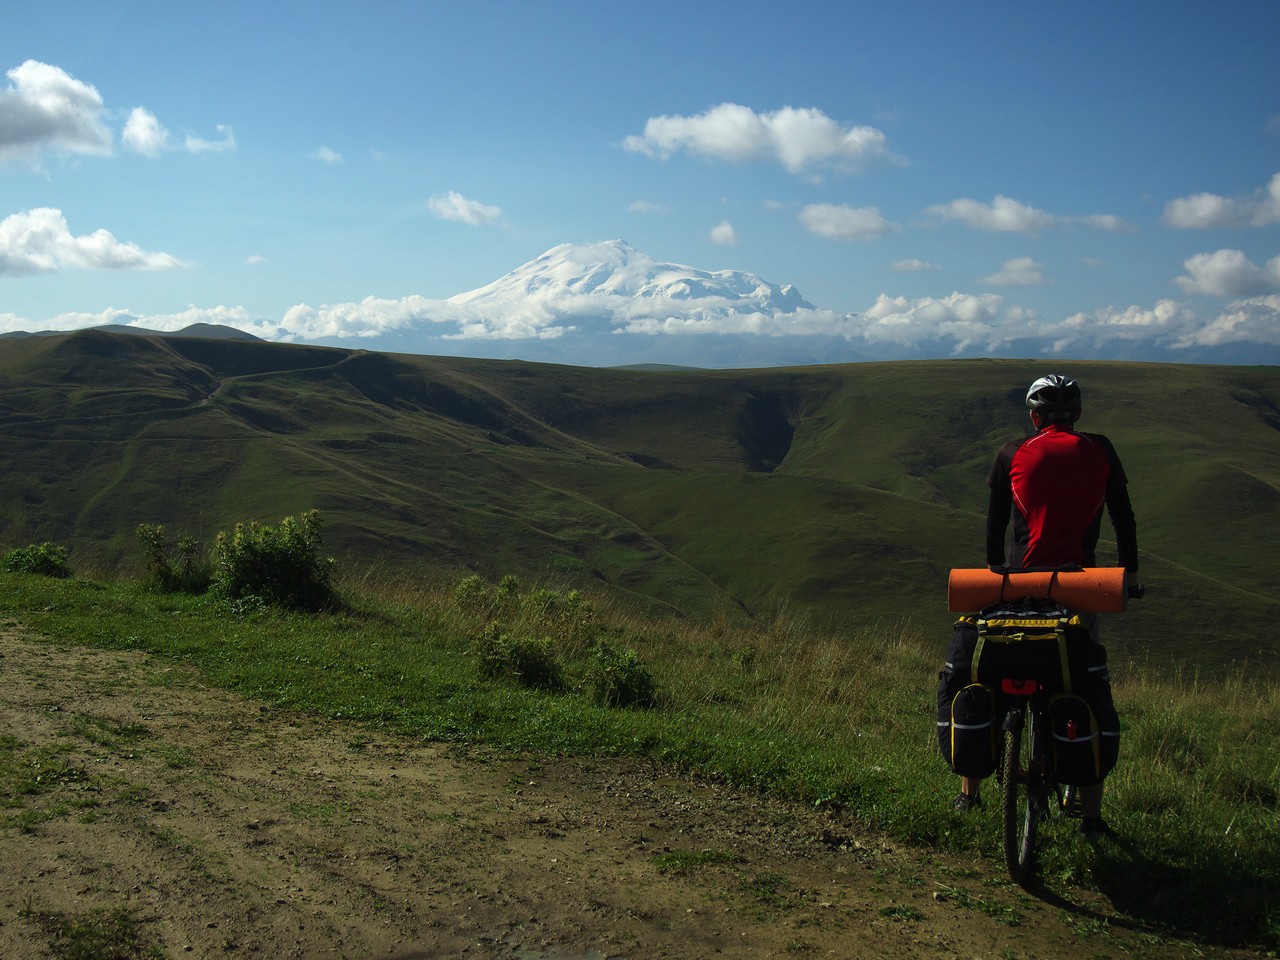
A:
(614, 268)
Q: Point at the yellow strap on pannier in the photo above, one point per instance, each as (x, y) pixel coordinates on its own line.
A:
(1025, 631)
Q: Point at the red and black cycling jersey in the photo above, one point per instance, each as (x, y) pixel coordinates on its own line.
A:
(1055, 483)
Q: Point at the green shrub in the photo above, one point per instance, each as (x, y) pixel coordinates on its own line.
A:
(530, 661)
(46, 559)
(475, 595)
(617, 678)
(173, 568)
(555, 607)
(281, 564)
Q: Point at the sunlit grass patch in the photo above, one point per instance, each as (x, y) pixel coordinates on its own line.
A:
(102, 934)
(682, 862)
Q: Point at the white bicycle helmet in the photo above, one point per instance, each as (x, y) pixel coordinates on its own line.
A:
(1054, 398)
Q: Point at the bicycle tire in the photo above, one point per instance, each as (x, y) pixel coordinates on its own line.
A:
(1020, 813)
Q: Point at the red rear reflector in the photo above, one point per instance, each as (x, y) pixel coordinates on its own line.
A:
(1019, 688)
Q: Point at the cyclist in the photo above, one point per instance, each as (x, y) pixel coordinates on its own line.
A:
(1055, 484)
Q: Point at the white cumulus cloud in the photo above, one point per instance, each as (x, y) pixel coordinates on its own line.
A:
(325, 155)
(1018, 272)
(454, 206)
(1167, 319)
(1228, 273)
(45, 107)
(533, 319)
(1176, 325)
(39, 241)
(838, 222)
(912, 265)
(802, 140)
(144, 134)
(1001, 215)
(369, 317)
(194, 144)
(1006, 215)
(958, 324)
(1203, 211)
(723, 234)
(960, 321)
(968, 324)
(1106, 222)
(1253, 320)
(803, 322)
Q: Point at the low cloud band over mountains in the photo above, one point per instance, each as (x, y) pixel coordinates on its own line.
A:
(608, 303)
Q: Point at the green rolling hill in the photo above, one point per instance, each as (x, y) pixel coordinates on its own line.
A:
(840, 493)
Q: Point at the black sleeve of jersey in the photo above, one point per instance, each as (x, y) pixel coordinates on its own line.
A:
(1120, 509)
(999, 504)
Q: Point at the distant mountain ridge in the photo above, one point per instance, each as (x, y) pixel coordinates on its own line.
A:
(203, 331)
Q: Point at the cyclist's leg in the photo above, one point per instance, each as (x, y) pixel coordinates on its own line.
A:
(1091, 800)
(1092, 823)
(952, 679)
(969, 797)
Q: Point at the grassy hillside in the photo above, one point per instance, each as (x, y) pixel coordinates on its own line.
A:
(842, 493)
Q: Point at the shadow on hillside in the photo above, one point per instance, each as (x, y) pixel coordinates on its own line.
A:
(1216, 902)
(764, 431)
(1267, 411)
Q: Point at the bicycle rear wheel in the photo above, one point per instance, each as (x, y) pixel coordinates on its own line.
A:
(1021, 811)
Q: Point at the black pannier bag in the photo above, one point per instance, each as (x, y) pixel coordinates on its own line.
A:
(1076, 748)
(1086, 729)
(1036, 641)
(968, 732)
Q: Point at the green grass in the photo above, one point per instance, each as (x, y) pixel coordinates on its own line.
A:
(94, 935)
(839, 720)
(685, 862)
(35, 783)
(1000, 912)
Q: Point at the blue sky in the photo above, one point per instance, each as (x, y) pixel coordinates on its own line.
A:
(1083, 179)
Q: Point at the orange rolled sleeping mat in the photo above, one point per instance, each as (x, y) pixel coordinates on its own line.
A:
(1091, 590)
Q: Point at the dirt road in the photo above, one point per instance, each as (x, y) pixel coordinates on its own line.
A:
(166, 818)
